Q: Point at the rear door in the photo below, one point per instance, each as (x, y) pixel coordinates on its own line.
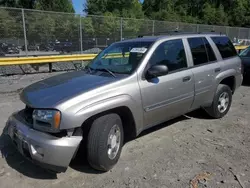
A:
(205, 69)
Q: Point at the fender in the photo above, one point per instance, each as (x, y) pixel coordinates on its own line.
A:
(111, 103)
(225, 74)
(217, 81)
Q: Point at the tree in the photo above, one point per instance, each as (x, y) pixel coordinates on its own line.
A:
(8, 3)
(9, 28)
(110, 24)
(55, 5)
(209, 14)
(29, 4)
(237, 12)
(95, 7)
(40, 27)
(151, 7)
(88, 28)
(132, 8)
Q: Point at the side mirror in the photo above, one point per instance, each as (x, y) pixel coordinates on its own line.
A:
(156, 71)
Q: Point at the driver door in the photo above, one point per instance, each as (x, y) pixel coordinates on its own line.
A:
(170, 95)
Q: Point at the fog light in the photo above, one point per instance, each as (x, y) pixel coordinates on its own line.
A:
(37, 151)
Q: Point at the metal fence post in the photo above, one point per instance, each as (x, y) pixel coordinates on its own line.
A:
(227, 31)
(81, 34)
(238, 33)
(197, 28)
(24, 33)
(177, 26)
(121, 25)
(213, 28)
(153, 29)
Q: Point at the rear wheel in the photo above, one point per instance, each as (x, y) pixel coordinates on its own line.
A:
(105, 141)
(221, 103)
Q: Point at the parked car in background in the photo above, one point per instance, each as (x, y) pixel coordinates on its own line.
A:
(63, 47)
(88, 44)
(129, 87)
(2, 54)
(245, 57)
(9, 48)
(66, 46)
(46, 47)
(31, 47)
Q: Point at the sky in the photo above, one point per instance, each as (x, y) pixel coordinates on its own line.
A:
(78, 5)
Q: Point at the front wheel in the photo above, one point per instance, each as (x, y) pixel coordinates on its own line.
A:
(105, 141)
(221, 103)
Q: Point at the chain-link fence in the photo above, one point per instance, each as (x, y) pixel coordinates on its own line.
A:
(32, 32)
(36, 33)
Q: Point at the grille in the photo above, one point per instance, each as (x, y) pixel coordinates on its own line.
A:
(28, 111)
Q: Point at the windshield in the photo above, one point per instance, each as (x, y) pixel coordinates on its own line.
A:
(245, 53)
(121, 58)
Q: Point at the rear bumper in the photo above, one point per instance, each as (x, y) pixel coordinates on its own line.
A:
(43, 149)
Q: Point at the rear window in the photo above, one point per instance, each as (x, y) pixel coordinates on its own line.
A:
(225, 47)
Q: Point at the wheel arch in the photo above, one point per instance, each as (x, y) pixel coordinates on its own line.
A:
(129, 110)
(227, 78)
(230, 82)
(126, 115)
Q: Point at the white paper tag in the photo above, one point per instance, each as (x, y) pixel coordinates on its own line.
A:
(138, 50)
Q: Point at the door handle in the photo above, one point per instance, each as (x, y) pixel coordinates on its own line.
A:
(186, 79)
(217, 70)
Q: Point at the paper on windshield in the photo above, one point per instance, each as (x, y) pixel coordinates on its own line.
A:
(138, 50)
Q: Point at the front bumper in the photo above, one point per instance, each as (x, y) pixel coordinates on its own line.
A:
(48, 151)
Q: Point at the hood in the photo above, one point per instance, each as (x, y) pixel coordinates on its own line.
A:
(50, 92)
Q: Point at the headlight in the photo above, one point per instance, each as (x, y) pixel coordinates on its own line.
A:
(47, 120)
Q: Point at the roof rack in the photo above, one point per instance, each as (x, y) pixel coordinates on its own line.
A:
(177, 32)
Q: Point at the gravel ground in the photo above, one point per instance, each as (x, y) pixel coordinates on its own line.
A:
(190, 150)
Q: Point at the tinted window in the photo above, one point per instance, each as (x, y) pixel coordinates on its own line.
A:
(210, 52)
(170, 53)
(225, 46)
(245, 53)
(198, 50)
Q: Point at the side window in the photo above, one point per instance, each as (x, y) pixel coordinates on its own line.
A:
(210, 52)
(170, 53)
(225, 47)
(198, 50)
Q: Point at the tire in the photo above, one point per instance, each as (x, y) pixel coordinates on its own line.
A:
(213, 110)
(98, 142)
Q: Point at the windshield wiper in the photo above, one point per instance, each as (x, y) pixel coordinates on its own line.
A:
(89, 69)
(100, 69)
(107, 70)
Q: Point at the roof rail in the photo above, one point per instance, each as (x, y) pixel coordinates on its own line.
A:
(177, 32)
(144, 36)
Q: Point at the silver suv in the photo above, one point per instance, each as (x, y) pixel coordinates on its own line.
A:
(129, 87)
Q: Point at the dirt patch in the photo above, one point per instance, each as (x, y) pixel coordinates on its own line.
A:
(173, 154)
